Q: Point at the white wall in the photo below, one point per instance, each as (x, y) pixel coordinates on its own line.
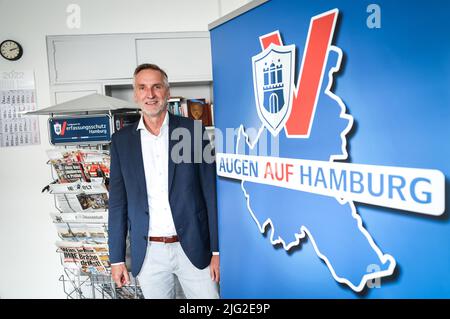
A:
(29, 265)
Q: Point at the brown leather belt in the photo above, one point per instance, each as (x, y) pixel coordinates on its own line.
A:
(166, 240)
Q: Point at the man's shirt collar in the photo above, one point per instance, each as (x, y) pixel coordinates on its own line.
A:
(165, 124)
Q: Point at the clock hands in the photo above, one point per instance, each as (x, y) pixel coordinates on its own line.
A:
(11, 50)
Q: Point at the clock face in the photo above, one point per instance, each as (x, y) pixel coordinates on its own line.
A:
(11, 50)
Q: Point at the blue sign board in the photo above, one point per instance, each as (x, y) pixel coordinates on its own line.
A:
(331, 101)
(80, 130)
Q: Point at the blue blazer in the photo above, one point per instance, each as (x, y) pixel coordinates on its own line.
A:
(192, 197)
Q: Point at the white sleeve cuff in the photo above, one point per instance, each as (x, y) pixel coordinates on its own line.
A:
(116, 264)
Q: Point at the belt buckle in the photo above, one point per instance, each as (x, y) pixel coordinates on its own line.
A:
(165, 239)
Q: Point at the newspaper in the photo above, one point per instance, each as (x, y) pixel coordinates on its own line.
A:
(88, 258)
(81, 196)
(70, 203)
(97, 233)
(94, 258)
(89, 217)
(77, 187)
(69, 254)
(64, 232)
(76, 231)
(93, 201)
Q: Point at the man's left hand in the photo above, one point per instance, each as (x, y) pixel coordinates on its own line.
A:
(215, 268)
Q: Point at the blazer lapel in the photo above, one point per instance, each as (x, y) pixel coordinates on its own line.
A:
(173, 123)
(136, 157)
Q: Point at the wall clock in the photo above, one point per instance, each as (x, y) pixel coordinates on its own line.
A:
(11, 50)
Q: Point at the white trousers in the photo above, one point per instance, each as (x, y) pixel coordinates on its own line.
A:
(165, 261)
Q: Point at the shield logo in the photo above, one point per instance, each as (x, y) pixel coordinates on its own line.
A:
(273, 83)
(57, 128)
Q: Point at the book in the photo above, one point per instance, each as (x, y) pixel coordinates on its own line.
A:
(174, 105)
(183, 108)
(212, 113)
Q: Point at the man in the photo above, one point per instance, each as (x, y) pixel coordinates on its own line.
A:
(167, 206)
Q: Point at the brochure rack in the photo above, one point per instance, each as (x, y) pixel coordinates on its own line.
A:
(80, 192)
(81, 131)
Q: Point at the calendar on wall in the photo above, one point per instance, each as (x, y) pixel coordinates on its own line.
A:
(17, 96)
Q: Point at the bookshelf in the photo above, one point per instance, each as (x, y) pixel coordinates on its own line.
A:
(186, 90)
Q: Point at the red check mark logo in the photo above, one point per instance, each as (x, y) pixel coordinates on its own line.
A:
(315, 55)
(63, 129)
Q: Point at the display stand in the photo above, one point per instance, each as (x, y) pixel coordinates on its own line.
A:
(81, 223)
(80, 131)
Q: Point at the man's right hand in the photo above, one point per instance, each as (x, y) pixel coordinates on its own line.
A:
(119, 274)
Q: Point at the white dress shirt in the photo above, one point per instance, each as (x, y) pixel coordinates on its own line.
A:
(155, 152)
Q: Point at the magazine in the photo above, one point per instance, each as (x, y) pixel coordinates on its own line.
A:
(76, 155)
(96, 172)
(69, 173)
(79, 165)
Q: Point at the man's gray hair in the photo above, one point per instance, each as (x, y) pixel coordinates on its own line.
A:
(149, 66)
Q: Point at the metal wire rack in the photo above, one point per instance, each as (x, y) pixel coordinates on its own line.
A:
(80, 285)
